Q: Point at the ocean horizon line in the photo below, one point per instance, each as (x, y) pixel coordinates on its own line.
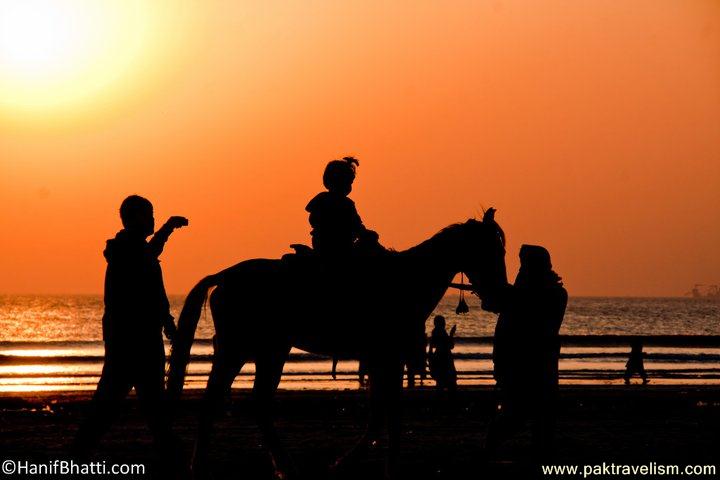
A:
(450, 292)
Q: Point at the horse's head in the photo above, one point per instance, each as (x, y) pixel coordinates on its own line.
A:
(482, 259)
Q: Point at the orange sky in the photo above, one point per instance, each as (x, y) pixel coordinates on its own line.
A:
(593, 127)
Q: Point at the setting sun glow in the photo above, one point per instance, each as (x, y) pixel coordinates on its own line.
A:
(61, 54)
(592, 126)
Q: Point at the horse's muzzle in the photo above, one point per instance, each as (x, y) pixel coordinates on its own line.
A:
(495, 300)
(490, 305)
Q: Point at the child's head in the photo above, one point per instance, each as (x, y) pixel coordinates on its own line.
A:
(136, 214)
(340, 174)
(439, 321)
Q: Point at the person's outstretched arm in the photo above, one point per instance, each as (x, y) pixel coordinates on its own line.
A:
(157, 242)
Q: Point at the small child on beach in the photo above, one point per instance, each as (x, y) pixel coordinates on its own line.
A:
(335, 222)
(136, 312)
(440, 357)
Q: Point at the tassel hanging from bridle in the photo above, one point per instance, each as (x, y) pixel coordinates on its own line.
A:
(462, 304)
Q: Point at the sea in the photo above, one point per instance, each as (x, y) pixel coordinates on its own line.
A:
(54, 343)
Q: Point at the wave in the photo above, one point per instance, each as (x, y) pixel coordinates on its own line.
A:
(309, 357)
(680, 341)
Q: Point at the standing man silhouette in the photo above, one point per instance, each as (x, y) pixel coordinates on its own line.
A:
(136, 312)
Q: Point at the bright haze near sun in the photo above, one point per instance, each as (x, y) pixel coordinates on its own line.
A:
(60, 56)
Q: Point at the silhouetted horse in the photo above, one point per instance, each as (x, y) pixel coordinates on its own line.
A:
(370, 309)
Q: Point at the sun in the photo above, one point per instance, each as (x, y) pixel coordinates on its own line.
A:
(39, 38)
(60, 55)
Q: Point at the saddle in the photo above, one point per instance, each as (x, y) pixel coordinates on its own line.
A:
(303, 255)
(305, 262)
(301, 249)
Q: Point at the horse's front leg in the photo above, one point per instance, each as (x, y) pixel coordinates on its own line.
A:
(268, 371)
(370, 437)
(385, 378)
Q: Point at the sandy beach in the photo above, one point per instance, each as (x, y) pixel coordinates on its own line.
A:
(625, 425)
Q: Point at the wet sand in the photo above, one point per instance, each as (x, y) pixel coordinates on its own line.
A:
(633, 425)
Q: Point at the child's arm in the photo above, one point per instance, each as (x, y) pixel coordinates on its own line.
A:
(355, 220)
(157, 242)
(360, 231)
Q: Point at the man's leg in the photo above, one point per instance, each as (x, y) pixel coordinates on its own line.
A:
(150, 388)
(628, 373)
(510, 417)
(544, 420)
(112, 388)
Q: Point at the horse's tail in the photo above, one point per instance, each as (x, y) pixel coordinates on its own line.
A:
(187, 324)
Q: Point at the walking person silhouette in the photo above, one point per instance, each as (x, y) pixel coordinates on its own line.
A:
(136, 312)
(635, 363)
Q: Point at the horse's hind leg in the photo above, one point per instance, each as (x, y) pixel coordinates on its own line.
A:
(224, 370)
(268, 371)
(385, 377)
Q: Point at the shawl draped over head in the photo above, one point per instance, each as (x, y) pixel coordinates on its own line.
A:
(536, 268)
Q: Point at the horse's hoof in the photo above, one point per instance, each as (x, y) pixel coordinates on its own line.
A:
(200, 471)
(391, 470)
(334, 469)
(339, 465)
(283, 467)
(338, 468)
(204, 475)
(280, 475)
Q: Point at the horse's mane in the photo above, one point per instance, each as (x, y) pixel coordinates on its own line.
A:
(449, 233)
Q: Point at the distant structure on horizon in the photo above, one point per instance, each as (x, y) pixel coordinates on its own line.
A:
(705, 291)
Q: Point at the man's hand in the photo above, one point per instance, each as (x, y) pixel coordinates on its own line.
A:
(177, 222)
(157, 242)
(170, 330)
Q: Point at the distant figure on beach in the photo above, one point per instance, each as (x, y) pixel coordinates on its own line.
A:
(335, 222)
(526, 352)
(635, 363)
(136, 313)
(416, 363)
(442, 365)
